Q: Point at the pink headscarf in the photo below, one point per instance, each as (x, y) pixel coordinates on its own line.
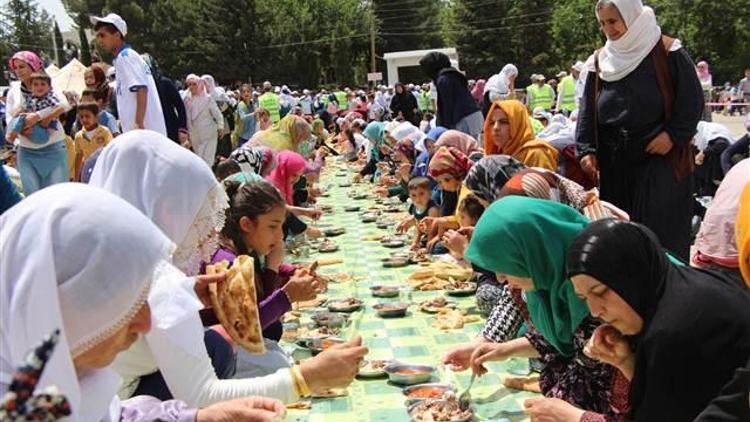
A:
(28, 57)
(478, 91)
(288, 164)
(703, 73)
(459, 140)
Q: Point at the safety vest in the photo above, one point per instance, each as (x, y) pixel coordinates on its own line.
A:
(270, 102)
(567, 93)
(341, 98)
(536, 125)
(424, 101)
(542, 96)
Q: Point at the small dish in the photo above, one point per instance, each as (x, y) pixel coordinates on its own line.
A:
(369, 218)
(384, 291)
(330, 319)
(344, 305)
(334, 232)
(419, 392)
(327, 246)
(391, 309)
(394, 262)
(318, 345)
(373, 368)
(393, 243)
(437, 304)
(434, 410)
(405, 374)
(352, 208)
(465, 289)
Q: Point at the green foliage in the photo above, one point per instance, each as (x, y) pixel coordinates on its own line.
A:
(59, 53)
(24, 26)
(312, 42)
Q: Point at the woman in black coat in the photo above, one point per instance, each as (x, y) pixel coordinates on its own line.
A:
(404, 105)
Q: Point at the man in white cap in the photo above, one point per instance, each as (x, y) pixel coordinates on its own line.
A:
(138, 102)
(306, 103)
(566, 93)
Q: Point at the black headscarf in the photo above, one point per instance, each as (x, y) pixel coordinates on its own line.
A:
(432, 63)
(696, 328)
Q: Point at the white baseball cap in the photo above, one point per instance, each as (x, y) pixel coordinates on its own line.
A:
(114, 19)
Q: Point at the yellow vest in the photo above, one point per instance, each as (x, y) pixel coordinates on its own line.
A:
(567, 92)
(270, 102)
(542, 96)
(341, 98)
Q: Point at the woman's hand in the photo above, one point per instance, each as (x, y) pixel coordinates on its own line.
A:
(251, 409)
(404, 172)
(313, 232)
(30, 119)
(542, 409)
(202, 283)
(459, 358)
(661, 145)
(590, 166)
(381, 191)
(486, 352)
(609, 346)
(335, 367)
(313, 213)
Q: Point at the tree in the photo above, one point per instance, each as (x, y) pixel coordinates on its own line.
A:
(83, 39)
(28, 27)
(575, 32)
(59, 52)
(405, 25)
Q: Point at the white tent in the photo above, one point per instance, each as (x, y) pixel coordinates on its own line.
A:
(52, 70)
(70, 78)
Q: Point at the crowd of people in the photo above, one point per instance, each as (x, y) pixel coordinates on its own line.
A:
(606, 221)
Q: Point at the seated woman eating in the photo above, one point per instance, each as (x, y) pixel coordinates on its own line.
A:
(535, 235)
(507, 131)
(676, 332)
(96, 299)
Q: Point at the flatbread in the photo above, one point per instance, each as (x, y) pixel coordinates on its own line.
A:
(524, 384)
(453, 319)
(236, 304)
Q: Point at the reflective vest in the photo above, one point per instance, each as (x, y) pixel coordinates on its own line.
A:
(424, 101)
(543, 96)
(341, 98)
(567, 94)
(536, 125)
(270, 102)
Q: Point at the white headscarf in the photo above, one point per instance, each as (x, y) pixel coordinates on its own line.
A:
(196, 103)
(618, 58)
(709, 131)
(171, 186)
(79, 259)
(508, 71)
(406, 130)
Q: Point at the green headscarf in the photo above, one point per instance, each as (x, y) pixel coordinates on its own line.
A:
(375, 132)
(529, 237)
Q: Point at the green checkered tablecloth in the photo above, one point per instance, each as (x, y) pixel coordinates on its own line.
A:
(412, 339)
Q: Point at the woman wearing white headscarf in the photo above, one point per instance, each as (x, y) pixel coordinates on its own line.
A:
(500, 86)
(204, 119)
(89, 279)
(180, 195)
(639, 112)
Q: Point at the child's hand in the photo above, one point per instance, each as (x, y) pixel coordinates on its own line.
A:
(432, 243)
(30, 119)
(456, 243)
(403, 226)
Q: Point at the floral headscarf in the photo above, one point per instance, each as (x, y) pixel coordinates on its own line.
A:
(28, 57)
(449, 161)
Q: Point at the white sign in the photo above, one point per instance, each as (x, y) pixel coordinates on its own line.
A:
(374, 77)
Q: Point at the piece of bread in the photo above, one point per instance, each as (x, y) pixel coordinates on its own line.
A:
(235, 303)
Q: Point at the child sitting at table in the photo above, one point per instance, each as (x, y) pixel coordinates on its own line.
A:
(469, 212)
(421, 206)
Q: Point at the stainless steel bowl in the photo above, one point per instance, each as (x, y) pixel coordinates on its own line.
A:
(330, 319)
(441, 388)
(423, 373)
(414, 407)
(318, 345)
(341, 306)
(391, 309)
(384, 291)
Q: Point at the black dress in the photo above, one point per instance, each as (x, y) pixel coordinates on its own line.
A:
(630, 114)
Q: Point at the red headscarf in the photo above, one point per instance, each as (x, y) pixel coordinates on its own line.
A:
(288, 164)
(448, 160)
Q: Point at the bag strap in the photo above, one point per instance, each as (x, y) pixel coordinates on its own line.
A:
(663, 76)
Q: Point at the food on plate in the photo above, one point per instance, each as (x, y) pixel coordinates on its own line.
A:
(235, 303)
(373, 368)
(395, 262)
(300, 405)
(328, 246)
(384, 291)
(523, 383)
(461, 288)
(426, 392)
(438, 276)
(329, 261)
(351, 208)
(341, 277)
(394, 309)
(436, 305)
(327, 343)
(334, 232)
(406, 374)
(330, 393)
(345, 305)
(445, 409)
(314, 303)
(452, 319)
(330, 319)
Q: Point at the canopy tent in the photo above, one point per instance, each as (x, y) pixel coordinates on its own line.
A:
(70, 78)
(52, 70)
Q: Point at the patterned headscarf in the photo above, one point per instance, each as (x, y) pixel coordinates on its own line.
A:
(490, 174)
(406, 147)
(28, 57)
(449, 161)
(258, 159)
(459, 140)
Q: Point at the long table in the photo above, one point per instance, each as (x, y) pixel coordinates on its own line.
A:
(411, 339)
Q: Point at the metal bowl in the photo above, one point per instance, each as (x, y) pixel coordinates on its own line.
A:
(369, 218)
(393, 262)
(464, 291)
(366, 371)
(330, 319)
(318, 345)
(413, 409)
(394, 243)
(391, 309)
(440, 389)
(352, 208)
(342, 306)
(384, 291)
(334, 232)
(405, 374)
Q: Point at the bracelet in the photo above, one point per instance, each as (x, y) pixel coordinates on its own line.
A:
(300, 385)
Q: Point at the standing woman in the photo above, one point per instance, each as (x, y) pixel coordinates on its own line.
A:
(640, 110)
(40, 163)
(172, 106)
(456, 108)
(404, 105)
(205, 121)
